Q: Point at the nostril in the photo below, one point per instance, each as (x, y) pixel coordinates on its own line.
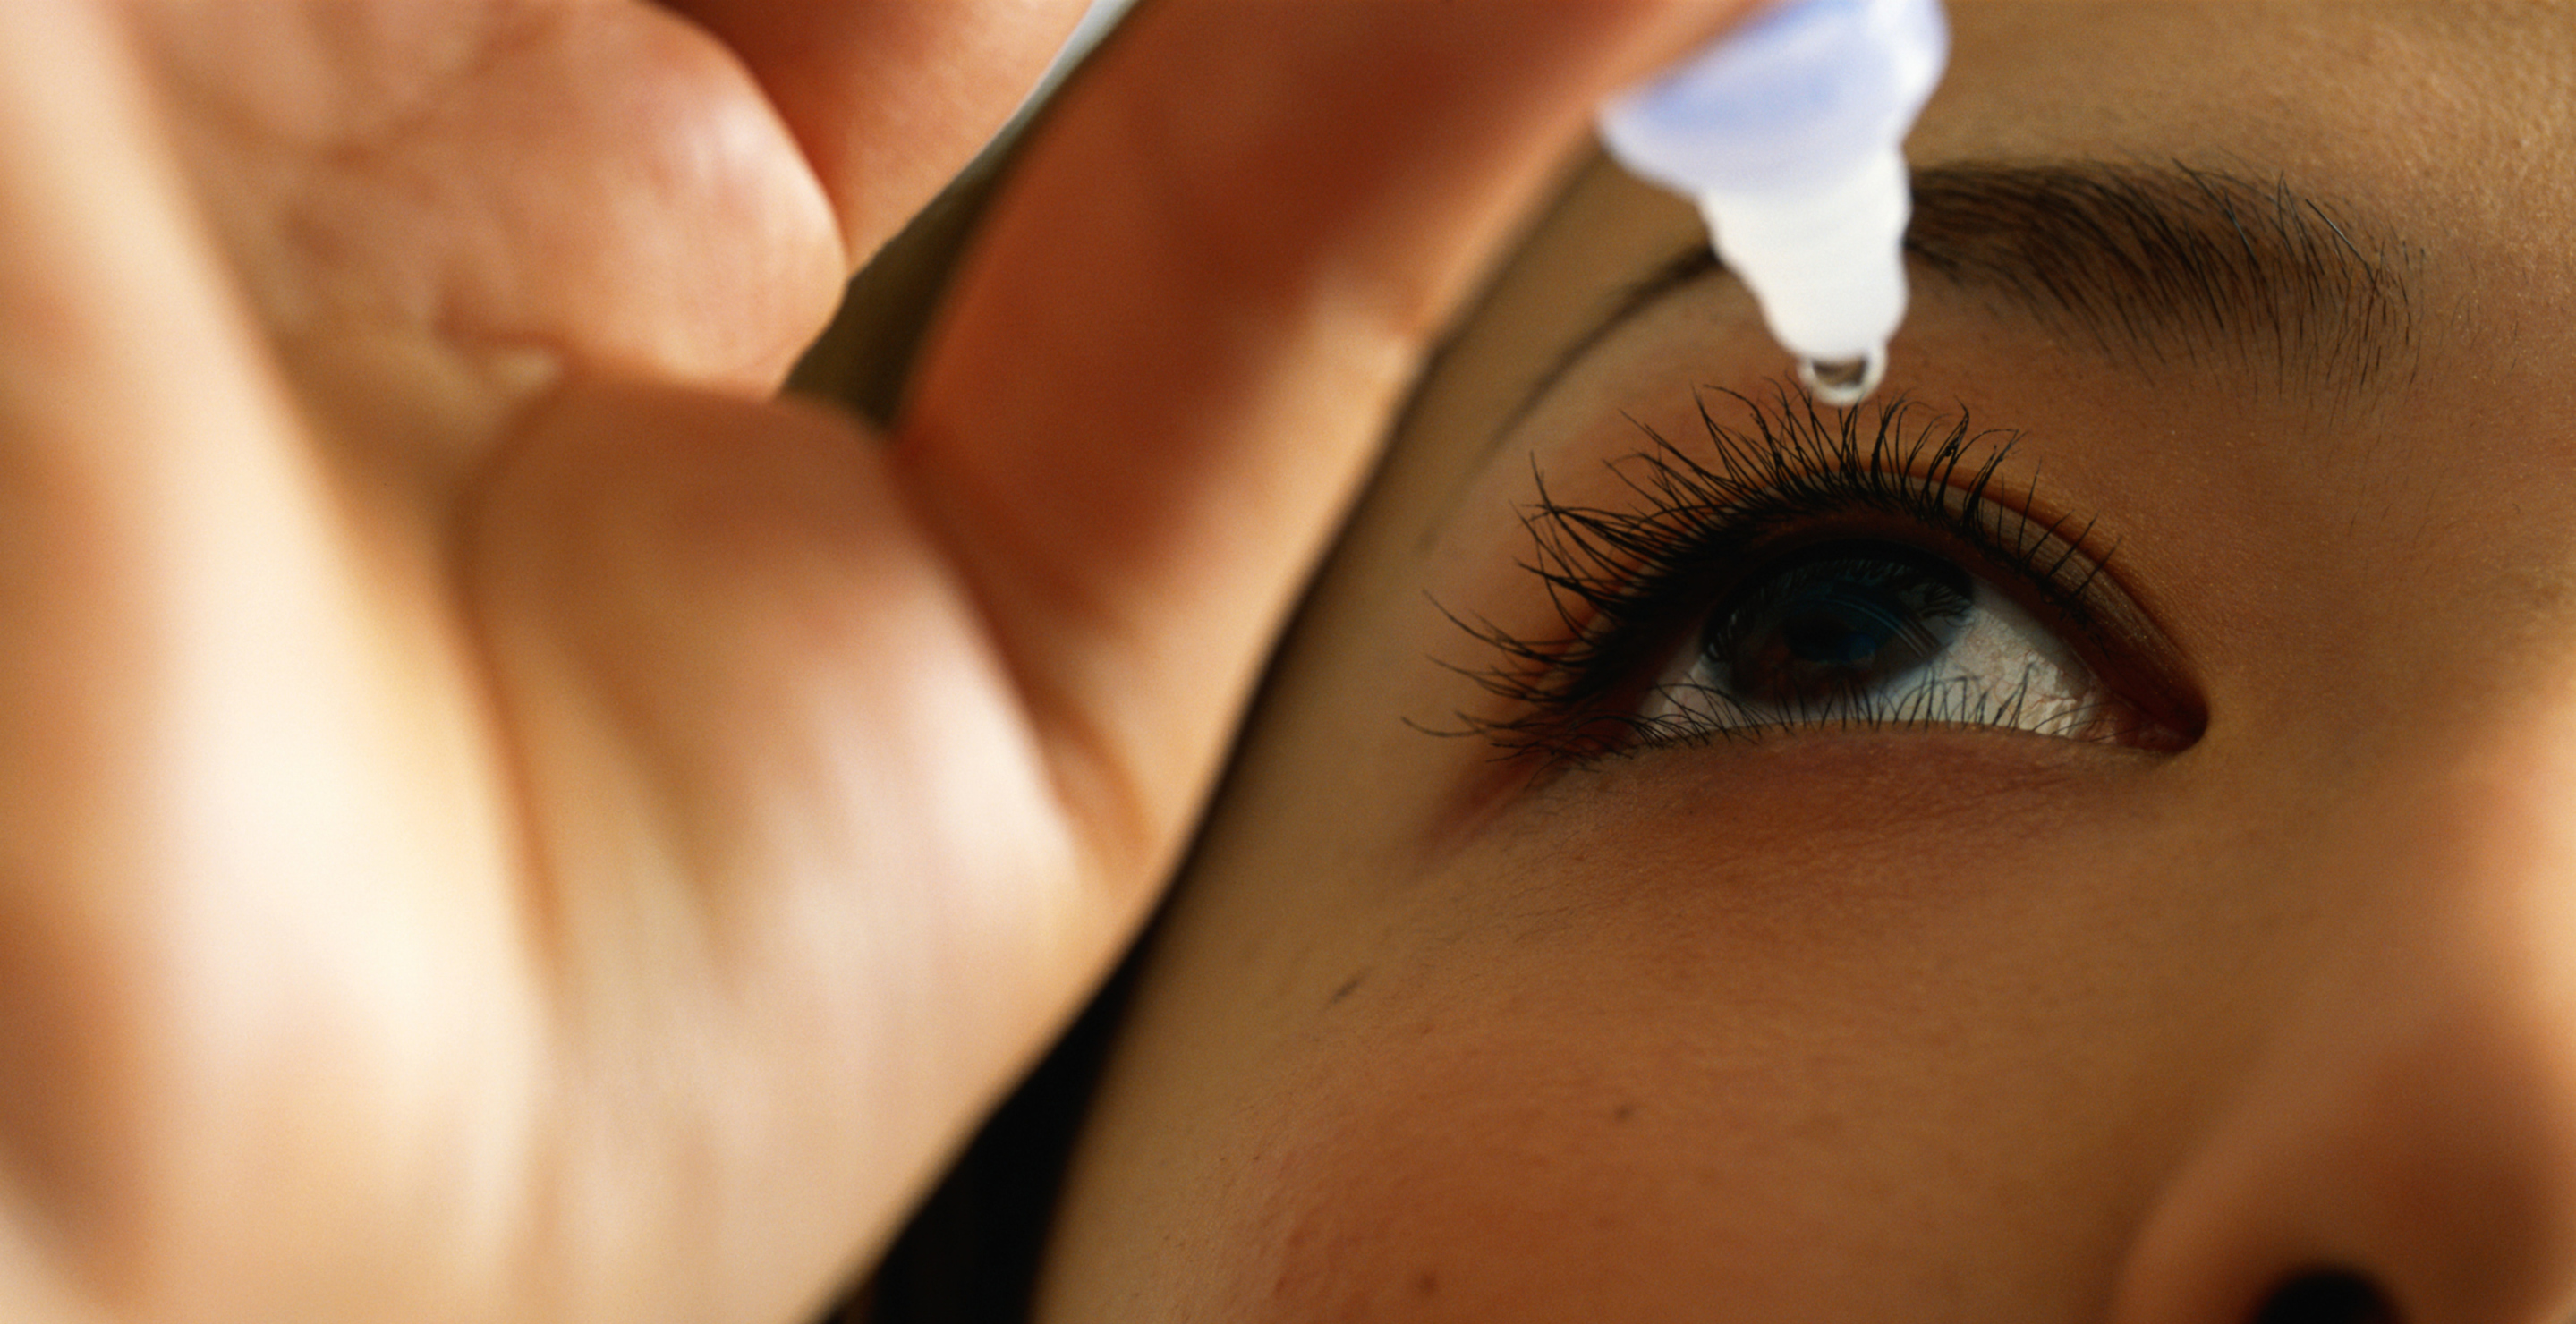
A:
(2326, 1296)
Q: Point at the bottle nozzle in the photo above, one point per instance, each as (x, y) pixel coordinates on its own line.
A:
(1843, 383)
(1789, 136)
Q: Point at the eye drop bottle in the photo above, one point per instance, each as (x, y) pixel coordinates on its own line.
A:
(1789, 135)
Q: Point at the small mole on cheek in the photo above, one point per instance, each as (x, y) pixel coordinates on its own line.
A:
(1623, 1112)
(1426, 1283)
(1349, 986)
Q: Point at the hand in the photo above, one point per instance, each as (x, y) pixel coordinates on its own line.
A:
(504, 819)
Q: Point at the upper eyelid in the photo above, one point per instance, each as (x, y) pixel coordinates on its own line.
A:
(2005, 542)
(1930, 469)
(1601, 563)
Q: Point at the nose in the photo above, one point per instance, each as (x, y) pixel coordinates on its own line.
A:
(2402, 1149)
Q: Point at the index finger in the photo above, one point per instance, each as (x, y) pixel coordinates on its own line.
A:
(889, 101)
(1190, 317)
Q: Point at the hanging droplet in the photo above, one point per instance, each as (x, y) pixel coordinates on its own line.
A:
(1842, 383)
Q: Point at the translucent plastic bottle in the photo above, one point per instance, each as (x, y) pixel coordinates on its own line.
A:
(1789, 134)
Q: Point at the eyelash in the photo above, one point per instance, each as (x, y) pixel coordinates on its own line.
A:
(1627, 585)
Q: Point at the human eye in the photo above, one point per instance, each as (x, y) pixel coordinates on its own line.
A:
(1811, 570)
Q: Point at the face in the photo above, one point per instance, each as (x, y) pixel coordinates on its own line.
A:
(2085, 835)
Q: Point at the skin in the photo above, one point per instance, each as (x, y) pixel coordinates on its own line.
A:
(507, 820)
(1937, 1024)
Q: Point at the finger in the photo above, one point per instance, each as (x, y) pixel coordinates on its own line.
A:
(890, 101)
(1189, 318)
(602, 186)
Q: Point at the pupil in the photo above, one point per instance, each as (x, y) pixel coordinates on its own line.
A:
(1836, 623)
(1841, 625)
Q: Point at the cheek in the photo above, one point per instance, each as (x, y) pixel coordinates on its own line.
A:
(1554, 1146)
(1669, 1064)
(1501, 1169)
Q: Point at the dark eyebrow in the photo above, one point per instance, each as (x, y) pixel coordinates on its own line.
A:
(2172, 262)
(2153, 264)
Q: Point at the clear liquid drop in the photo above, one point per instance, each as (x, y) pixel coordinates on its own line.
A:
(1842, 383)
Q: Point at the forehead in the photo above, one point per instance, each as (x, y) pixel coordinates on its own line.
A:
(2450, 122)
(2441, 129)
(2116, 66)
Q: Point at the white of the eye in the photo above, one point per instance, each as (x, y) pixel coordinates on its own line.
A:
(2003, 669)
